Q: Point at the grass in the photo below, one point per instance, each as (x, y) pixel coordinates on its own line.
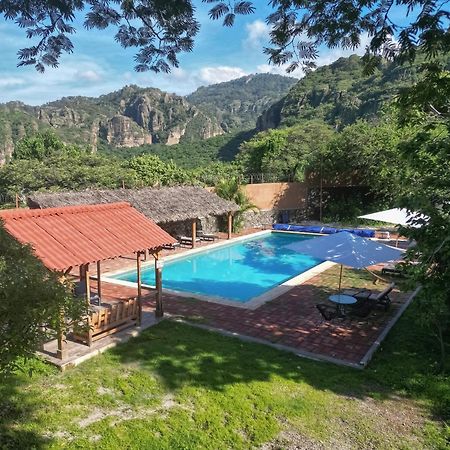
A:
(178, 387)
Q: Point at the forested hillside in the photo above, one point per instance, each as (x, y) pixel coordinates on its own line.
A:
(238, 103)
(136, 117)
(340, 93)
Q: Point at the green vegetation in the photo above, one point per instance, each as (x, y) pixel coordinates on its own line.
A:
(285, 153)
(231, 189)
(31, 303)
(238, 103)
(341, 93)
(44, 162)
(179, 387)
(190, 154)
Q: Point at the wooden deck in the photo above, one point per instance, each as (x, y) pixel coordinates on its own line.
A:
(78, 352)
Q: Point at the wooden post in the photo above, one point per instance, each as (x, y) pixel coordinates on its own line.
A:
(61, 352)
(87, 281)
(194, 232)
(99, 281)
(139, 287)
(230, 225)
(159, 310)
(17, 201)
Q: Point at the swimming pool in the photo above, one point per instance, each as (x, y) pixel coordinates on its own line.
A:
(238, 272)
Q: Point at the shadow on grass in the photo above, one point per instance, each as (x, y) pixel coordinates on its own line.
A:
(17, 407)
(185, 356)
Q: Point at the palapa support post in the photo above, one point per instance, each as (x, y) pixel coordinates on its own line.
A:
(139, 287)
(230, 225)
(99, 281)
(194, 232)
(159, 310)
(87, 281)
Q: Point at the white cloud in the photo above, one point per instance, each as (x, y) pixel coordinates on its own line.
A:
(219, 74)
(257, 34)
(81, 77)
(89, 75)
(10, 81)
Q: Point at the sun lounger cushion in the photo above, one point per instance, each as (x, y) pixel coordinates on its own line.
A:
(322, 230)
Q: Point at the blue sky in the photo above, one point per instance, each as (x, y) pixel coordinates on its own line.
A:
(99, 65)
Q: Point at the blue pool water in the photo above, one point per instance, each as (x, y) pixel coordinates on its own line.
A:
(237, 272)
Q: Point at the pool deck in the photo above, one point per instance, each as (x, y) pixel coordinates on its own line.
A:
(289, 322)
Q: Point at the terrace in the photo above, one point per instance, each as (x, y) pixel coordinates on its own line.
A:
(290, 321)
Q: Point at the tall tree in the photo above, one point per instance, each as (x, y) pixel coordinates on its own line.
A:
(32, 301)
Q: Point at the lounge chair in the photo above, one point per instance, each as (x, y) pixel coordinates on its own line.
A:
(206, 236)
(173, 246)
(328, 312)
(187, 240)
(361, 309)
(379, 298)
(397, 268)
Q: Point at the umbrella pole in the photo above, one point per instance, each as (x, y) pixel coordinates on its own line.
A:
(340, 280)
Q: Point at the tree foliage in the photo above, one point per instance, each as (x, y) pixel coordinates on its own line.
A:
(231, 189)
(161, 30)
(285, 153)
(43, 145)
(32, 300)
(427, 191)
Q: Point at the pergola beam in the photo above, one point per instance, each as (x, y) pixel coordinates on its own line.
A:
(99, 281)
(139, 286)
(159, 310)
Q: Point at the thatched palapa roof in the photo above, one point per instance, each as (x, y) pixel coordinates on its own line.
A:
(162, 205)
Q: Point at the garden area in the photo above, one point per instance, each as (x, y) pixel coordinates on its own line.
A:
(176, 386)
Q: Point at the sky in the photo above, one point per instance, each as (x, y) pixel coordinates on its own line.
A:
(99, 65)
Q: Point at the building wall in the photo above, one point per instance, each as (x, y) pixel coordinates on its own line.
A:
(278, 196)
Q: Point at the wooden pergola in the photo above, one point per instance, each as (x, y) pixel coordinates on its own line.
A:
(72, 237)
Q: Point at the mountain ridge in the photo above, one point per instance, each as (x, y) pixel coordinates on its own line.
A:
(133, 116)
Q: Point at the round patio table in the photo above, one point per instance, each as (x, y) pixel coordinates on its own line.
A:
(341, 300)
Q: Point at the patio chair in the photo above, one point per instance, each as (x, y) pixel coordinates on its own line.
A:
(187, 240)
(378, 298)
(361, 309)
(397, 268)
(206, 236)
(173, 246)
(328, 312)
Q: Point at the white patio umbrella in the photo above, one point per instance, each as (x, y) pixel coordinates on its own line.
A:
(397, 216)
(347, 249)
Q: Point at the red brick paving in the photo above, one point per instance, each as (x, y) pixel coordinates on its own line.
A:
(291, 319)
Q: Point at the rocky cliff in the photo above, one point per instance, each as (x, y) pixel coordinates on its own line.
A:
(130, 117)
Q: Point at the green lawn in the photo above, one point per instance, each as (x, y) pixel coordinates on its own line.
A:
(176, 386)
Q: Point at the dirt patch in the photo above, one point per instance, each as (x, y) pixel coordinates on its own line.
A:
(105, 391)
(127, 412)
(291, 440)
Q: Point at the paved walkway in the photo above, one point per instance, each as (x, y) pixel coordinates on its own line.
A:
(290, 320)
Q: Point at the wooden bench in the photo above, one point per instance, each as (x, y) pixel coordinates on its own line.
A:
(106, 320)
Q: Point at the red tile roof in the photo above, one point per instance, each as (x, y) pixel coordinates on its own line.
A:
(74, 235)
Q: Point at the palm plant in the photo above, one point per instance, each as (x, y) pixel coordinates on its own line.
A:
(231, 189)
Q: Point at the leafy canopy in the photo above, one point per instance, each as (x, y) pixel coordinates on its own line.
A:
(162, 29)
(32, 300)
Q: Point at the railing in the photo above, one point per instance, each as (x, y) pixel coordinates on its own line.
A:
(107, 320)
